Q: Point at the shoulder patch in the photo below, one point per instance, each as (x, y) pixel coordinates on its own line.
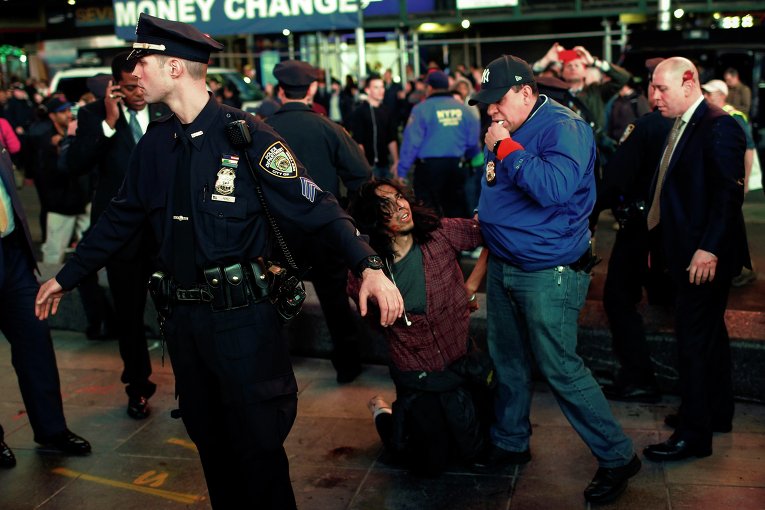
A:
(278, 161)
(627, 132)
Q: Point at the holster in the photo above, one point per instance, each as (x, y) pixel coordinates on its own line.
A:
(162, 292)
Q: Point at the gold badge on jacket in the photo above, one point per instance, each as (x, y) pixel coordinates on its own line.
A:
(491, 175)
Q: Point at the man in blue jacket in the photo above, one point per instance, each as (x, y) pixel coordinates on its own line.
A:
(440, 132)
(536, 196)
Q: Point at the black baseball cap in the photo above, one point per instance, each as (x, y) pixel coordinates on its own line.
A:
(57, 104)
(295, 73)
(172, 38)
(501, 74)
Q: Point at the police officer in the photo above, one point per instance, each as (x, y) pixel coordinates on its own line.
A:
(330, 155)
(196, 186)
(625, 189)
(439, 133)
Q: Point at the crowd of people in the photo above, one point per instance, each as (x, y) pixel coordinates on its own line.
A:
(514, 162)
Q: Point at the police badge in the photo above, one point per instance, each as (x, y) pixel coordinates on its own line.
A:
(225, 183)
(491, 176)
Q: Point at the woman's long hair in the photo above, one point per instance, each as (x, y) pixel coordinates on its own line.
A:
(371, 214)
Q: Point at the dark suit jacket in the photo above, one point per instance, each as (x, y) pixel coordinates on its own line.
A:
(20, 217)
(109, 156)
(703, 192)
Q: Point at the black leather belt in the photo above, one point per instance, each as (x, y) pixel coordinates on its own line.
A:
(586, 262)
(225, 288)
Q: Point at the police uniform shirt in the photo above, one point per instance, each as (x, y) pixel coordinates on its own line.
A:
(630, 170)
(325, 149)
(229, 224)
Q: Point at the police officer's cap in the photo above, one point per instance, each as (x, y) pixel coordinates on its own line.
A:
(172, 38)
(499, 76)
(295, 73)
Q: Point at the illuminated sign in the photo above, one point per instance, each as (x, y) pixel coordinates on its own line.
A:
(228, 17)
(485, 4)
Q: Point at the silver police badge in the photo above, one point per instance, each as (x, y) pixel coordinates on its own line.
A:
(225, 183)
(491, 176)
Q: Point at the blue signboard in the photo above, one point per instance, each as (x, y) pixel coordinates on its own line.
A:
(230, 17)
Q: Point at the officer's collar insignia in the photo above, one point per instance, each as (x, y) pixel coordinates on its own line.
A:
(197, 133)
(309, 188)
(278, 161)
(627, 132)
(491, 175)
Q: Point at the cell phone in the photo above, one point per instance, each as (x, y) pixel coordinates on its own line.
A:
(74, 109)
(568, 55)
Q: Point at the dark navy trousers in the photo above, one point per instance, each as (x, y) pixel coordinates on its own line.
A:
(32, 353)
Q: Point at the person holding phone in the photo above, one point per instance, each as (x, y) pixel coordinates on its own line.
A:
(106, 135)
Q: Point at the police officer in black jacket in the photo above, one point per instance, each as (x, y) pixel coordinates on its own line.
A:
(625, 188)
(330, 155)
(236, 388)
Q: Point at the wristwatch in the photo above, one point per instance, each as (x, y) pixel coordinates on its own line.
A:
(371, 262)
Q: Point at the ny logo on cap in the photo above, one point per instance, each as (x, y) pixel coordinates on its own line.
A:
(518, 78)
(485, 76)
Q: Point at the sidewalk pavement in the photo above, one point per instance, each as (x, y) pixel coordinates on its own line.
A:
(335, 454)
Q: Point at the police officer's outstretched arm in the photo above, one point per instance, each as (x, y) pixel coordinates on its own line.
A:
(48, 298)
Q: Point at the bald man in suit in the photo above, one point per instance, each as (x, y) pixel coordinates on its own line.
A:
(697, 195)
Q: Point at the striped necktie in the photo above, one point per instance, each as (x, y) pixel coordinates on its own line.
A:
(654, 213)
(135, 127)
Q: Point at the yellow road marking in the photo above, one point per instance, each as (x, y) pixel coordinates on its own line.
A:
(182, 442)
(173, 496)
(152, 478)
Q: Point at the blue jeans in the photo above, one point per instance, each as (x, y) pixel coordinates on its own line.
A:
(535, 314)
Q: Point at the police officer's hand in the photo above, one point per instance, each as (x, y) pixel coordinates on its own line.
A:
(702, 267)
(375, 285)
(48, 298)
(112, 101)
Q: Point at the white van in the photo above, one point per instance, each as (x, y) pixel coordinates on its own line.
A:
(73, 83)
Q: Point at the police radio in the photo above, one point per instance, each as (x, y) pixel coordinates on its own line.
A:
(238, 134)
(287, 291)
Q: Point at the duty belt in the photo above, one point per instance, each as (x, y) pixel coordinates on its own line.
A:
(225, 288)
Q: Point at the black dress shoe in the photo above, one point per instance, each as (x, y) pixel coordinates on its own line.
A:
(495, 458)
(675, 448)
(138, 408)
(7, 459)
(67, 442)
(632, 393)
(673, 420)
(609, 483)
